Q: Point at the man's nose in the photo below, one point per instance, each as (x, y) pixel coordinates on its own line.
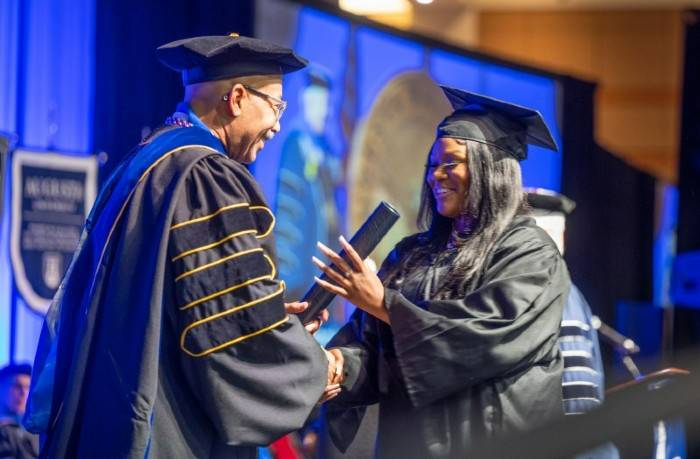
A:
(277, 127)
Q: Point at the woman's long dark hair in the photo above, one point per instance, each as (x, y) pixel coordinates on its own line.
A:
(494, 196)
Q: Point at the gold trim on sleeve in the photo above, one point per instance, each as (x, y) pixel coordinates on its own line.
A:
(213, 244)
(279, 291)
(274, 268)
(272, 223)
(234, 287)
(217, 262)
(237, 340)
(225, 291)
(210, 216)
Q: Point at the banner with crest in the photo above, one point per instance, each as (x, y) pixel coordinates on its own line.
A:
(51, 197)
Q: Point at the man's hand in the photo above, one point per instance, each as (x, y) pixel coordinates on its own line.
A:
(313, 326)
(335, 375)
(295, 307)
(298, 306)
(335, 366)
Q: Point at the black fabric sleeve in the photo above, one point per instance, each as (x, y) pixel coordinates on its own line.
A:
(505, 326)
(357, 340)
(256, 371)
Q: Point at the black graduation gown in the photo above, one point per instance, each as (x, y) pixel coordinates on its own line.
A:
(449, 372)
(168, 337)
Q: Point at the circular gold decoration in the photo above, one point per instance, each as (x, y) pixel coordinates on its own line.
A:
(389, 152)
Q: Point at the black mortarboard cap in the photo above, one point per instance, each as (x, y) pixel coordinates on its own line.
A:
(218, 57)
(540, 198)
(318, 76)
(494, 122)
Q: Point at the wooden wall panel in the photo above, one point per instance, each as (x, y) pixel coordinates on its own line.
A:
(634, 56)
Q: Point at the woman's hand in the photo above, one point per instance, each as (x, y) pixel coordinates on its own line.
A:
(354, 281)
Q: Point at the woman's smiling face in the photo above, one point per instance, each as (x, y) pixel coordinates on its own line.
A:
(448, 175)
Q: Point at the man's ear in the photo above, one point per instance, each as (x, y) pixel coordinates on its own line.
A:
(236, 96)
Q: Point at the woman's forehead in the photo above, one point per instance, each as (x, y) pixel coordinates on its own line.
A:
(446, 145)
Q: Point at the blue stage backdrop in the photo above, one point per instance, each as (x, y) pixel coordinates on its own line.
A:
(46, 98)
(359, 62)
(55, 52)
(324, 39)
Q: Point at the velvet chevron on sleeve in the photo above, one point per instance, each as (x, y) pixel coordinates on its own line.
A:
(229, 310)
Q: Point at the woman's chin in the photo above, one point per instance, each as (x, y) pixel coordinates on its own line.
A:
(447, 212)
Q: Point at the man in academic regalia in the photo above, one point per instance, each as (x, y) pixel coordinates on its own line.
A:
(169, 336)
(583, 380)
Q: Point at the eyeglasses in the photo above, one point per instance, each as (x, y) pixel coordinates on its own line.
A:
(430, 168)
(278, 105)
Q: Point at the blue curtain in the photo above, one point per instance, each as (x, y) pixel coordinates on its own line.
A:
(46, 95)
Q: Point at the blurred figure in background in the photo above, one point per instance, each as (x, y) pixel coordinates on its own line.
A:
(15, 441)
(583, 380)
(309, 175)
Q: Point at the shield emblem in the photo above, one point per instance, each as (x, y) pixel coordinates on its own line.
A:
(51, 197)
(52, 272)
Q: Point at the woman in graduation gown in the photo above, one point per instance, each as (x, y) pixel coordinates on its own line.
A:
(456, 337)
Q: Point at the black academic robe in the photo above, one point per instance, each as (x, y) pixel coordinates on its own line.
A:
(447, 373)
(168, 337)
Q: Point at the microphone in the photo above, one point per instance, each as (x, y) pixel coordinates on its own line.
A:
(364, 241)
(622, 343)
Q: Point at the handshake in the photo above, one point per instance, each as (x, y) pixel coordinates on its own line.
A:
(335, 373)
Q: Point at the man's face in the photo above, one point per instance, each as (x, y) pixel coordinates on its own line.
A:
(316, 100)
(14, 392)
(258, 121)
